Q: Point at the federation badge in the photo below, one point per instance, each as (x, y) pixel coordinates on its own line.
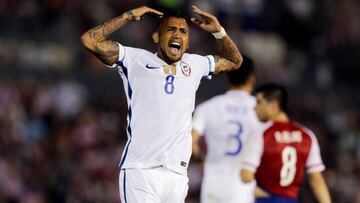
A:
(185, 68)
(170, 69)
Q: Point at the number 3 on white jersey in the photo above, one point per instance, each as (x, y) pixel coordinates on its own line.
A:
(288, 169)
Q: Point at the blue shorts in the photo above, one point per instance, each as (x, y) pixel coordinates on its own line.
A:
(276, 199)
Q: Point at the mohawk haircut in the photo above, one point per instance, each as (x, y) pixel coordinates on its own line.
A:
(168, 13)
(241, 75)
(274, 92)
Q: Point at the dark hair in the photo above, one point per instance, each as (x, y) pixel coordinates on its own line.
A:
(166, 17)
(273, 92)
(168, 13)
(242, 74)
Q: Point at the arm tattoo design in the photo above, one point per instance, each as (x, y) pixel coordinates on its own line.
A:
(96, 38)
(102, 31)
(229, 55)
(229, 50)
(107, 51)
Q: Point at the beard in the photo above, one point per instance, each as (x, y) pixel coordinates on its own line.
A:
(165, 57)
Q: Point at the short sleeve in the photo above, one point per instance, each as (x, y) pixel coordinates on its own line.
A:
(127, 55)
(211, 67)
(199, 119)
(253, 151)
(314, 162)
(203, 65)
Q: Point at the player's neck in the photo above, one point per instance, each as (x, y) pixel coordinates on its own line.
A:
(280, 117)
(247, 88)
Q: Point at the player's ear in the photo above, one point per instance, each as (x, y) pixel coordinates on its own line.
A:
(275, 106)
(155, 37)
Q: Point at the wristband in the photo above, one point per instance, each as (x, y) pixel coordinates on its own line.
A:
(220, 34)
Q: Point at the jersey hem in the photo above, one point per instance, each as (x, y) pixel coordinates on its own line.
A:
(182, 171)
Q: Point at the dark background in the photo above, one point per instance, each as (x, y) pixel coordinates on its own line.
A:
(63, 114)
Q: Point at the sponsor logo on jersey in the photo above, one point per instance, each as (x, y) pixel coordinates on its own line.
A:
(185, 68)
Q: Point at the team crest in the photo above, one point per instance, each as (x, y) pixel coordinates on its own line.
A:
(169, 69)
(185, 68)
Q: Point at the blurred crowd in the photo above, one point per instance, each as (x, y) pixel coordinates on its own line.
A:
(63, 115)
(54, 146)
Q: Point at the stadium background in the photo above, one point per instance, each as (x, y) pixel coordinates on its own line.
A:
(63, 115)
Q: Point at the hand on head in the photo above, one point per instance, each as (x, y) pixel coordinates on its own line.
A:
(207, 21)
(137, 13)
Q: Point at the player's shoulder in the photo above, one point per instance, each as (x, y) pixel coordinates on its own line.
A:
(213, 101)
(241, 96)
(194, 58)
(191, 55)
(265, 126)
(249, 100)
(208, 106)
(135, 50)
(306, 131)
(261, 129)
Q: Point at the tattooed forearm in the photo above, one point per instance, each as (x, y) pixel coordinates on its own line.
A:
(229, 50)
(95, 39)
(229, 56)
(102, 31)
(115, 23)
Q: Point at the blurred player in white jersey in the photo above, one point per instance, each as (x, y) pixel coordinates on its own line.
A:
(160, 90)
(226, 121)
(282, 150)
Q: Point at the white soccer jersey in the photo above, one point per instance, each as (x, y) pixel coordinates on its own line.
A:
(161, 100)
(226, 121)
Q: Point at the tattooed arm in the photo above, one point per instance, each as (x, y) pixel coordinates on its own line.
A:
(95, 39)
(229, 57)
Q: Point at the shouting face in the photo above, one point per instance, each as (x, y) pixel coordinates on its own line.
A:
(172, 38)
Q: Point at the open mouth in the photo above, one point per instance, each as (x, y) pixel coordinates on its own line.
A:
(175, 48)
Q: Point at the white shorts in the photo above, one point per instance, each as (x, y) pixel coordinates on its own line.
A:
(226, 188)
(152, 185)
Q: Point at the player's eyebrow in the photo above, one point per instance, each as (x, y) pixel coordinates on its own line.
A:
(184, 30)
(176, 27)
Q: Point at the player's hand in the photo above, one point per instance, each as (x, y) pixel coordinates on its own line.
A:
(208, 22)
(137, 13)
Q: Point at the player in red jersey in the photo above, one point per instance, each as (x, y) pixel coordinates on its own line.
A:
(281, 151)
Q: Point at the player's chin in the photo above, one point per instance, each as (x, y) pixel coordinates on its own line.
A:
(176, 57)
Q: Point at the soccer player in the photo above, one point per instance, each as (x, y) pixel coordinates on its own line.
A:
(279, 154)
(160, 90)
(227, 121)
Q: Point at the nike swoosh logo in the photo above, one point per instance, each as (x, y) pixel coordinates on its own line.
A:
(151, 67)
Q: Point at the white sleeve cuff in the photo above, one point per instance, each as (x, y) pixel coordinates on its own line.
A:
(248, 166)
(198, 129)
(315, 168)
(211, 66)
